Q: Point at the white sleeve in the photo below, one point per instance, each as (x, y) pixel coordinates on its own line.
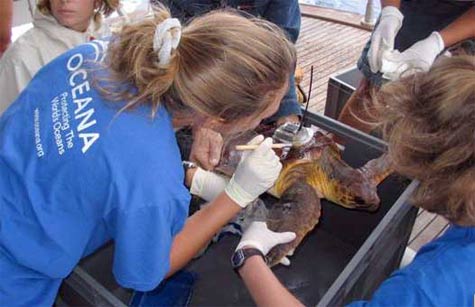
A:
(14, 76)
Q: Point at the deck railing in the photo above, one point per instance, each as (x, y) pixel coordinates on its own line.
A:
(370, 17)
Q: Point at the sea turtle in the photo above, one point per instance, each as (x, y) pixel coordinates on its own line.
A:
(319, 163)
(312, 171)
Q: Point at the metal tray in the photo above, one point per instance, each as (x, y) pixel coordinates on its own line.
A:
(344, 258)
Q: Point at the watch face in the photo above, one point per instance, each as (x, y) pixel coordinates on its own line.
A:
(238, 258)
(189, 165)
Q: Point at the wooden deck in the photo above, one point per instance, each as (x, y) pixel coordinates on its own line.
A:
(331, 41)
(330, 47)
(427, 227)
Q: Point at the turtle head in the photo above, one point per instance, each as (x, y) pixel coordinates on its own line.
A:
(360, 193)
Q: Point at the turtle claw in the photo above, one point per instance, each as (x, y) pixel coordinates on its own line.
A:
(285, 261)
(291, 252)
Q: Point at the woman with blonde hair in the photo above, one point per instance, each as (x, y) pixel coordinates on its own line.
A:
(208, 144)
(88, 150)
(58, 25)
(429, 122)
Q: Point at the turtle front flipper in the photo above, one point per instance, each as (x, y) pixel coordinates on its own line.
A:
(298, 210)
(378, 169)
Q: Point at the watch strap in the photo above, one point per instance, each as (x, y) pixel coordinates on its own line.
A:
(240, 257)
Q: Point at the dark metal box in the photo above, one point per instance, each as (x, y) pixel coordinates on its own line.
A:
(340, 87)
(344, 258)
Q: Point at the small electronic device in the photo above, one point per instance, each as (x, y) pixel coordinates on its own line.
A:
(290, 133)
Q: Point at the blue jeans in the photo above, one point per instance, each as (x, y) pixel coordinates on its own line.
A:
(174, 291)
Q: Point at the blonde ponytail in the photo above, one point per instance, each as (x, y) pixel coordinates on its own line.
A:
(225, 66)
(133, 60)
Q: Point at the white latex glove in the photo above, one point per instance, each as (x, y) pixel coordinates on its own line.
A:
(384, 35)
(418, 57)
(255, 174)
(206, 148)
(207, 185)
(258, 236)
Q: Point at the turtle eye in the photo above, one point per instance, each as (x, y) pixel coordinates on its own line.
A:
(358, 200)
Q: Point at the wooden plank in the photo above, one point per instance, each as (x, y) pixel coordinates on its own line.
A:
(332, 15)
(334, 39)
(331, 53)
(431, 232)
(444, 229)
(330, 48)
(419, 212)
(424, 219)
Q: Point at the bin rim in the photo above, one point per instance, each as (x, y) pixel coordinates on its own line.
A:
(346, 131)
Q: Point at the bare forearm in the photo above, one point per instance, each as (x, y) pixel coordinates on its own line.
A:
(6, 11)
(265, 288)
(199, 229)
(462, 28)
(395, 3)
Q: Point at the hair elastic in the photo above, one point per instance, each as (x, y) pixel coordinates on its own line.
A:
(166, 39)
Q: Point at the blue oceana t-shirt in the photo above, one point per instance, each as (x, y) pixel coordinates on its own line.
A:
(441, 274)
(75, 173)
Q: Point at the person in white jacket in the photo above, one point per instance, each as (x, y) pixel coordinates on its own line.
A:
(6, 12)
(58, 25)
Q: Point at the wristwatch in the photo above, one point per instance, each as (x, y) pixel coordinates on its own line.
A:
(188, 165)
(241, 255)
